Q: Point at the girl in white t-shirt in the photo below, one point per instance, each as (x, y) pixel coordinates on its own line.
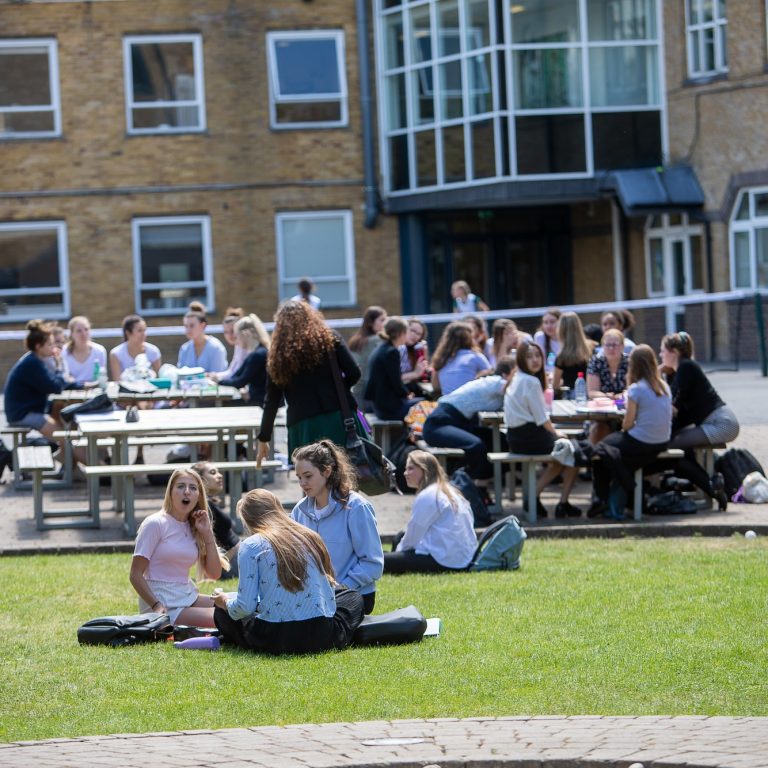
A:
(168, 544)
(81, 354)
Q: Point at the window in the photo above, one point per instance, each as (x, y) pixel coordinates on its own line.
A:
(34, 280)
(164, 88)
(307, 81)
(706, 27)
(318, 245)
(172, 263)
(749, 239)
(29, 89)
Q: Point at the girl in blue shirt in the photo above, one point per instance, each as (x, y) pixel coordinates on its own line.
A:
(201, 351)
(344, 519)
(287, 599)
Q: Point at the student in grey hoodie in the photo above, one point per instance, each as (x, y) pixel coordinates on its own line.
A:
(344, 519)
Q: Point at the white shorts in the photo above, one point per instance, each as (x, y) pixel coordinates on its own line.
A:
(174, 595)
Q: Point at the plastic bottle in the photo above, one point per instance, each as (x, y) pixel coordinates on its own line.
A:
(102, 378)
(549, 396)
(550, 364)
(198, 644)
(580, 390)
(96, 371)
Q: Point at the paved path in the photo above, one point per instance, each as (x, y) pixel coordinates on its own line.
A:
(514, 742)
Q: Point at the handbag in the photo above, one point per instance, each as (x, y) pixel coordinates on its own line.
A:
(405, 625)
(375, 472)
(102, 403)
(126, 630)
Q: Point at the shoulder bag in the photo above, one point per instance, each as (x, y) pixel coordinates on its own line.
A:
(375, 472)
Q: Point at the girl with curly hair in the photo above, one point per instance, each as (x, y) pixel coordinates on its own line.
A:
(344, 519)
(299, 370)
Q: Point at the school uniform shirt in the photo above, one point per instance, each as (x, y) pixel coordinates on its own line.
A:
(461, 368)
(468, 305)
(127, 361)
(260, 593)
(439, 530)
(483, 394)
(212, 358)
(84, 371)
(524, 402)
(351, 536)
(654, 413)
(253, 374)
(27, 387)
(385, 388)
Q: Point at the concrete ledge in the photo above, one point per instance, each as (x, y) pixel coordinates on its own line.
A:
(504, 742)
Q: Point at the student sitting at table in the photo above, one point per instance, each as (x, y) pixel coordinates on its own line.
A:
(231, 316)
(575, 351)
(607, 376)
(288, 600)
(456, 360)
(134, 344)
(201, 351)
(81, 354)
(440, 536)
(168, 544)
(414, 355)
(529, 429)
(454, 422)
(252, 337)
(645, 432)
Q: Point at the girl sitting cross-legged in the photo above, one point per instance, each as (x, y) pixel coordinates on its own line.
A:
(287, 600)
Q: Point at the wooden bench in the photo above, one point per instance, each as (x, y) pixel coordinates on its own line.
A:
(637, 501)
(382, 431)
(36, 460)
(128, 472)
(529, 476)
(441, 454)
(19, 439)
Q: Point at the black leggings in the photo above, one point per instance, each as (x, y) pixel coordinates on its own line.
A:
(308, 636)
(620, 455)
(407, 561)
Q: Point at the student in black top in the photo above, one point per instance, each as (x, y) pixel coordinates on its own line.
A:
(254, 339)
(385, 389)
(575, 351)
(227, 540)
(299, 368)
(700, 417)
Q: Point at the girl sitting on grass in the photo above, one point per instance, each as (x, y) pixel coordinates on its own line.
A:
(168, 544)
(287, 599)
(343, 518)
(440, 535)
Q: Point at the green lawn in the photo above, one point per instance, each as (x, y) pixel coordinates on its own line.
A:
(673, 626)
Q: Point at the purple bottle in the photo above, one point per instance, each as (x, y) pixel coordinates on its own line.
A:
(198, 644)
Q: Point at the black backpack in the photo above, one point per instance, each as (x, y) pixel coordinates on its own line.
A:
(126, 630)
(734, 465)
(465, 485)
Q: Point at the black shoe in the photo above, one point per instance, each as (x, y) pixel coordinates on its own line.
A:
(596, 509)
(541, 510)
(566, 509)
(717, 483)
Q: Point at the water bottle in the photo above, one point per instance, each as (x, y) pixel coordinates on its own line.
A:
(549, 396)
(96, 372)
(102, 378)
(580, 390)
(199, 644)
(550, 364)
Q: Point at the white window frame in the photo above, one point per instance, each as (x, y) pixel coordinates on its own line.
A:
(749, 226)
(44, 310)
(695, 35)
(276, 98)
(198, 102)
(286, 285)
(53, 83)
(669, 233)
(207, 282)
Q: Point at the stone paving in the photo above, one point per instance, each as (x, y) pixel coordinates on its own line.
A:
(513, 742)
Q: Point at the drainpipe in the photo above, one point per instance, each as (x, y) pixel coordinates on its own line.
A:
(366, 115)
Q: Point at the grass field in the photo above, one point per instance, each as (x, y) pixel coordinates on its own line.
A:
(673, 626)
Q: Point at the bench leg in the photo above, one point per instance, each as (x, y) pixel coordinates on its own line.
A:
(38, 496)
(530, 491)
(637, 504)
(129, 508)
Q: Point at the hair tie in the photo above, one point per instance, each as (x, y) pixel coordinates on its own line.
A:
(683, 336)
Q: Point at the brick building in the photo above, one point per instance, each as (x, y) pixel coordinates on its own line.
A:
(156, 152)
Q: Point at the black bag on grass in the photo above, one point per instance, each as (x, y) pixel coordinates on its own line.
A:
(126, 630)
(466, 486)
(734, 465)
(405, 625)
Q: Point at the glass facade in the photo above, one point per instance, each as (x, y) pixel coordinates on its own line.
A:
(479, 90)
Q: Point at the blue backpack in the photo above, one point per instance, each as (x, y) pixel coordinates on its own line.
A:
(500, 546)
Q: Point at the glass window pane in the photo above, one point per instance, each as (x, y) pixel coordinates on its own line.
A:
(423, 88)
(24, 77)
(694, 11)
(743, 277)
(450, 83)
(621, 20)
(314, 245)
(697, 263)
(550, 144)
(556, 21)
(398, 162)
(624, 76)
(421, 35)
(163, 71)
(29, 259)
(478, 24)
(308, 112)
(395, 85)
(453, 154)
(678, 267)
(742, 209)
(426, 161)
(393, 45)
(165, 117)
(307, 67)
(479, 68)
(448, 28)
(26, 122)
(626, 140)
(761, 243)
(330, 291)
(656, 254)
(172, 298)
(170, 251)
(483, 149)
(761, 203)
(548, 78)
(693, 48)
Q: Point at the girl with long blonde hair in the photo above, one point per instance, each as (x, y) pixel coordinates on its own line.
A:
(575, 351)
(253, 338)
(288, 600)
